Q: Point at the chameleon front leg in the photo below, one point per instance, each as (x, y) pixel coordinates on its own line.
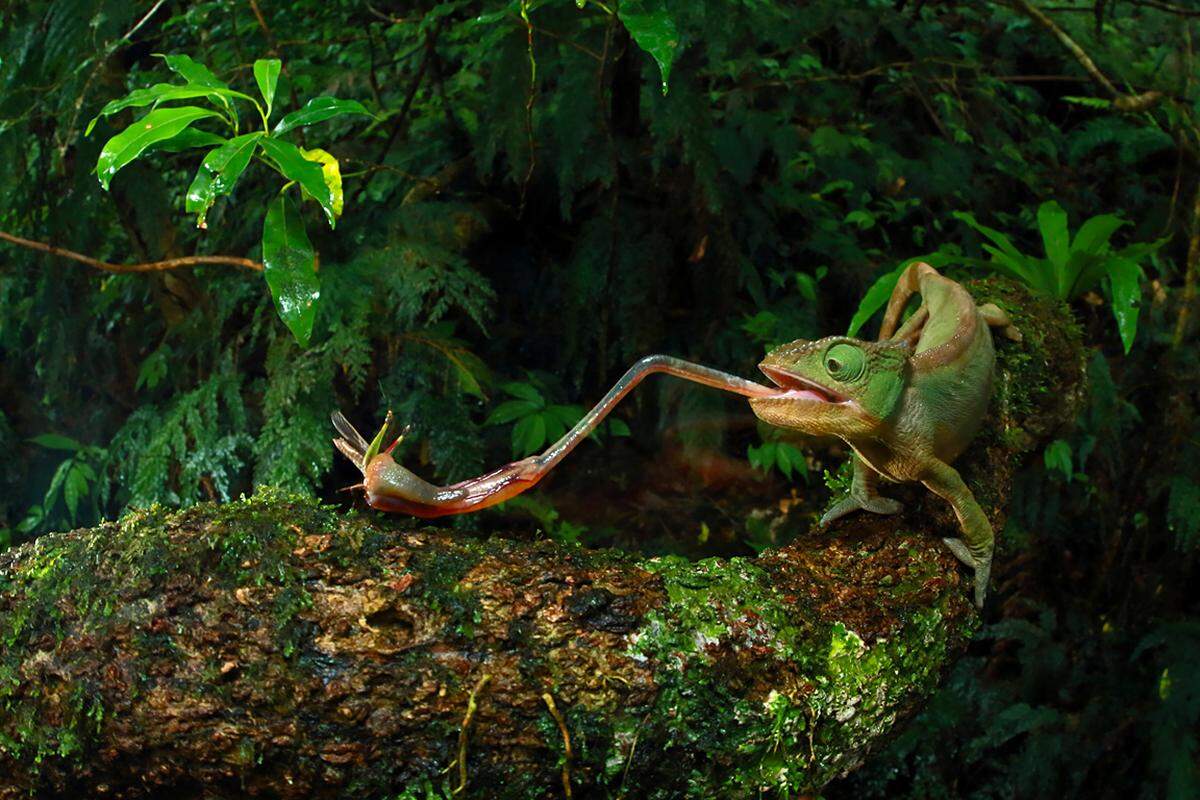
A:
(977, 544)
(864, 495)
(391, 487)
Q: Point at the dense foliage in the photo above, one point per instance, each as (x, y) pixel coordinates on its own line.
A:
(543, 192)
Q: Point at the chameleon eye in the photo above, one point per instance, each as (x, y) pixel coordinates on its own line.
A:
(845, 362)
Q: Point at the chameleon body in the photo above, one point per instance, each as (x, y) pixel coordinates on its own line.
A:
(907, 405)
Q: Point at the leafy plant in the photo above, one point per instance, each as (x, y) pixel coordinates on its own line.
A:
(1074, 265)
(77, 478)
(538, 422)
(783, 456)
(289, 260)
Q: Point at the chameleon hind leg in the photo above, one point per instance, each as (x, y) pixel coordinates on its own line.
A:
(864, 495)
(977, 544)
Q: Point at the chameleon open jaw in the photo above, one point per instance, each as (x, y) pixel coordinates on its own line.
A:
(797, 387)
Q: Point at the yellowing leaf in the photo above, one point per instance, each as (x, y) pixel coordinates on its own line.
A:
(332, 173)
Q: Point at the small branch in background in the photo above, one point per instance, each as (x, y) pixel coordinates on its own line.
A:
(1170, 8)
(151, 266)
(464, 733)
(1188, 298)
(1121, 100)
(529, 106)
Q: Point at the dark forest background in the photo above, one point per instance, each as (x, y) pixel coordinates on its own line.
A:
(527, 212)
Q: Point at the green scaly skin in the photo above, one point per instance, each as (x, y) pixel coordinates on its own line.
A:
(907, 404)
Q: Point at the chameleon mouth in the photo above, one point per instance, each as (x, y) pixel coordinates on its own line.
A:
(796, 387)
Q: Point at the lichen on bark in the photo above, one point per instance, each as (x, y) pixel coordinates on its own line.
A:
(273, 646)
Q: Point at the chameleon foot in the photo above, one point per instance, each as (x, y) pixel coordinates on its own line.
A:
(981, 564)
(876, 504)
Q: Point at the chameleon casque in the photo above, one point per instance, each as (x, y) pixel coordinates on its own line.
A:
(907, 404)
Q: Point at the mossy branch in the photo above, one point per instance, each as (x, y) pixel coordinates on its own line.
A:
(275, 647)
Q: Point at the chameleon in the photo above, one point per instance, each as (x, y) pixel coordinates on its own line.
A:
(907, 405)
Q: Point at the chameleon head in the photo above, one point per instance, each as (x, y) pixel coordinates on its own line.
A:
(833, 386)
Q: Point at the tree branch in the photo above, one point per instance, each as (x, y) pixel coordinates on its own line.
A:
(152, 266)
(1121, 100)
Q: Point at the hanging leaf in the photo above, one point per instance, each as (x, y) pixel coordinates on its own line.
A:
(319, 109)
(158, 125)
(218, 173)
(1124, 278)
(333, 175)
(266, 74)
(289, 264)
(295, 167)
(652, 28)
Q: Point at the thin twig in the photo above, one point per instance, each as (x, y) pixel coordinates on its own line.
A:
(529, 106)
(548, 699)
(152, 266)
(464, 735)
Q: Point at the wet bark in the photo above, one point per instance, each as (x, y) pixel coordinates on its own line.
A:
(275, 648)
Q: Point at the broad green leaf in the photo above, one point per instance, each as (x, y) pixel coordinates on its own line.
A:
(1125, 283)
(266, 74)
(652, 28)
(332, 173)
(528, 435)
(319, 109)
(1094, 234)
(289, 264)
(218, 173)
(56, 441)
(1052, 222)
(510, 410)
(153, 95)
(158, 125)
(295, 167)
(192, 71)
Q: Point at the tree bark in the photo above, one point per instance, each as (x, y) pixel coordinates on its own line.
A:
(273, 647)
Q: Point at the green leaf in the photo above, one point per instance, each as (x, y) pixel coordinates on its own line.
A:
(295, 167)
(157, 126)
(525, 391)
(511, 410)
(266, 74)
(617, 427)
(186, 140)
(153, 95)
(192, 71)
(319, 109)
(54, 441)
(875, 298)
(218, 173)
(75, 487)
(528, 435)
(1094, 234)
(996, 236)
(652, 28)
(290, 267)
(1052, 222)
(1057, 458)
(1125, 283)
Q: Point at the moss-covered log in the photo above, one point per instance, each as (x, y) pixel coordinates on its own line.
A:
(273, 647)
